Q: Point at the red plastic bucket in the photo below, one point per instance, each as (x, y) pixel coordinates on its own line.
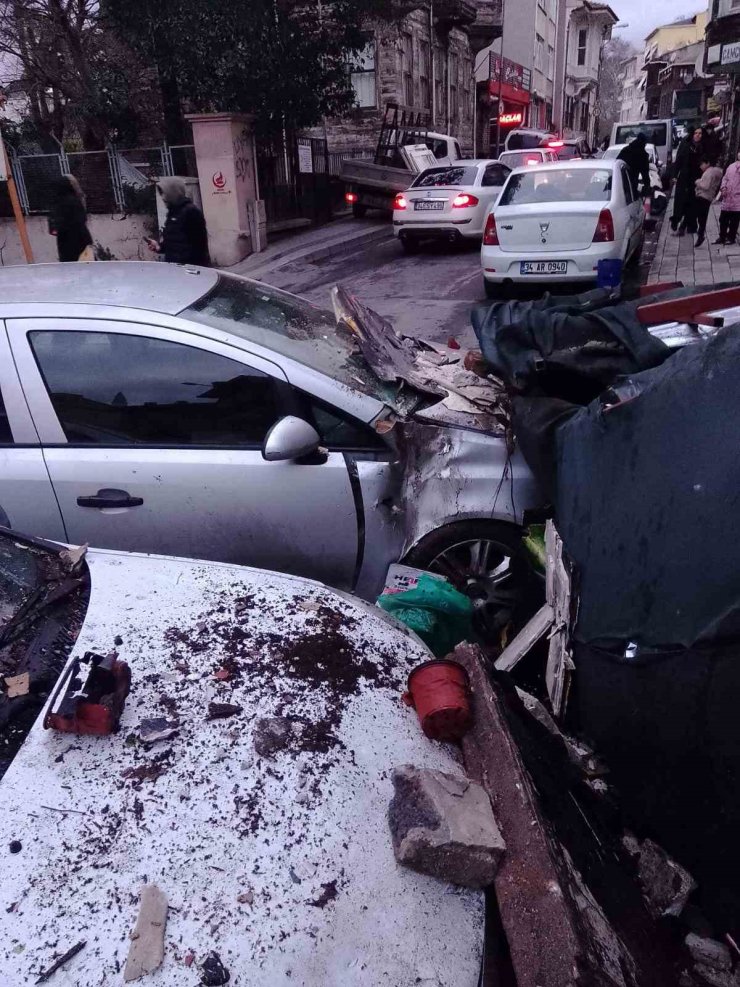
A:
(439, 691)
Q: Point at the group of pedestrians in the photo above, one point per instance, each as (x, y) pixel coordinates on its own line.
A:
(184, 238)
(700, 182)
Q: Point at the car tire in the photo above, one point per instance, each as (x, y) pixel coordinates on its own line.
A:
(634, 258)
(359, 211)
(492, 290)
(409, 246)
(495, 591)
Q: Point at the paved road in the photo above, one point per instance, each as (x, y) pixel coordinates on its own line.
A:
(429, 294)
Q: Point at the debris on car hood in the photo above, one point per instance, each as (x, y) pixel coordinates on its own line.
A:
(273, 852)
(428, 368)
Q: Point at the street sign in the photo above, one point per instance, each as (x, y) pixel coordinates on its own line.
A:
(3, 161)
(305, 158)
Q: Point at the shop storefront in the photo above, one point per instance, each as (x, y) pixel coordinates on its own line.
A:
(509, 87)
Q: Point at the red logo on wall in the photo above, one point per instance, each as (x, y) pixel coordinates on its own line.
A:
(218, 180)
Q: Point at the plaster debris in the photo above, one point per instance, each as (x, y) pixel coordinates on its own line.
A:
(17, 685)
(213, 972)
(665, 884)
(146, 952)
(443, 825)
(220, 711)
(157, 728)
(272, 734)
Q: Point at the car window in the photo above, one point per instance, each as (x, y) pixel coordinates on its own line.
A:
(458, 152)
(445, 177)
(557, 185)
(519, 141)
(495, 174)
(655, 133)
(116, 389)
(437, 147)
(567, 152)
(339, 432)
(627, 185)
(6, 436)
(516, 159)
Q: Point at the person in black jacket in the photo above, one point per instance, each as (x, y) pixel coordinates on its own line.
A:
(691, 152)
(184, 237)
(68, 220)
(636, 158)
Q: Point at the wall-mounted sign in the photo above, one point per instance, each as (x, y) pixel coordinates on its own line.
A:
(305, 159)
(731, 53)
(219, 182)
(507, 119)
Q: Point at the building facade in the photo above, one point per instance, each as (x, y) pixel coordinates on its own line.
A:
(662, 40)
(722, 61)
(424, 62)
(633, 93)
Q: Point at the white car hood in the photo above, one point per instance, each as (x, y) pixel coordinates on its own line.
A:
(302, 838)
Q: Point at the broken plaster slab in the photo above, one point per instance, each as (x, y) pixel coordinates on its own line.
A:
(146, 952)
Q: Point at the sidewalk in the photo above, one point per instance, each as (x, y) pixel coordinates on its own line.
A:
(344, 236)
(676, 258)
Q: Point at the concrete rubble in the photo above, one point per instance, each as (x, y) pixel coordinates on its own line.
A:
(146, 952)
(443, 825)
(665, 884)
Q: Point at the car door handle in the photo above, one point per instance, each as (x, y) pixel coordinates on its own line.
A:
(110, 498)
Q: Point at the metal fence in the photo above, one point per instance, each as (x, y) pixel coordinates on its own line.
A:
(112, 180)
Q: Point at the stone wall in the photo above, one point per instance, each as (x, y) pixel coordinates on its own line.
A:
(122, 236)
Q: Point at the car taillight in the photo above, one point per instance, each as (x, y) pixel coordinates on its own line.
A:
(556, 144)
(532, 161)
(490, 236)
(604, 228)
(400, 202)
(463, 200)
(350, 197)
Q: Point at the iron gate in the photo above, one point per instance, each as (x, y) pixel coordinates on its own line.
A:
(294, 180)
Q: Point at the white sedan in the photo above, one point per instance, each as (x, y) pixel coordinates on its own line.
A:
(556, 222)
(534, 156)
(652, 152)
(448, 203)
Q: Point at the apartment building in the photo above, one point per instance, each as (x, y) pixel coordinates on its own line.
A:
(633, 89)
(662, 40)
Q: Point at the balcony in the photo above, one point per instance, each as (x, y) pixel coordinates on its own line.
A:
(454, 13)
(487, 25)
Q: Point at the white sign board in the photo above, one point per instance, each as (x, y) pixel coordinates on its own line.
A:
(731, 53)
(305, 159)
(3, 162)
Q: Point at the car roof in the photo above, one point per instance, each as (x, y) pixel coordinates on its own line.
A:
(578, 164)
(156, 287)
(464, 163)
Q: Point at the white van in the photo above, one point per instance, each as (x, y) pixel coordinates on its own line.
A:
(657, 132)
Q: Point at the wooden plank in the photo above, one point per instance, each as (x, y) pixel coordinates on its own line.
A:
(526, 639)
(558, 587)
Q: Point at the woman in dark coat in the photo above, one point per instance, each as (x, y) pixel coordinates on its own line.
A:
(184, 237)
(690, 154)
(68, 220)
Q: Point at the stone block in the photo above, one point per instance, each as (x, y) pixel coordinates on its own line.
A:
(443, 825)
(712, 961)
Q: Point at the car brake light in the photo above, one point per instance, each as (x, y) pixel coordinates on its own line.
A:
(350, 197)
(463, 200)
(400, 202)
(556, 144)
(604, 232)
(490, 236)
(532, 161)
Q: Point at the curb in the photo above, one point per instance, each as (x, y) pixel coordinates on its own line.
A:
(323, 251)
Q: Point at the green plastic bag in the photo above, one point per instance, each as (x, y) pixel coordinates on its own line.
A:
(434, 610)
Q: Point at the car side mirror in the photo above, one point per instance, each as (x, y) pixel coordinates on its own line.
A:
(290, 438)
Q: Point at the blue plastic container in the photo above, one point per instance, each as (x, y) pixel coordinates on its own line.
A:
(609, 273)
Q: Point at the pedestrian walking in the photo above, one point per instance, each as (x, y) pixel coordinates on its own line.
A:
(729, 195)
(184, 237)
(68, 221)
(706, 189)
(688, 169)
(636, 158)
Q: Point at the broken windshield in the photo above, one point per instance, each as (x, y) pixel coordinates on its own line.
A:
(291, 327)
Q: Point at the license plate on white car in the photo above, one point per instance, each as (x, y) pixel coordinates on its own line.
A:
(428, 206)
(543, 267)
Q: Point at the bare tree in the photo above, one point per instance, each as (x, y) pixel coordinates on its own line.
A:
(610, 83)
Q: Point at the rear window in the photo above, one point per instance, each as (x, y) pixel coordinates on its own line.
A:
(558, 185)
(518, 141)
(656, 133)
(517, 159)
(445, 176)
(566, 152)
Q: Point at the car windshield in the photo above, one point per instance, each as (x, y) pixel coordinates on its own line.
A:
(523, 140)
(445, 177)
(20, 575)
(656, 133)
(291, 327)
(558, 185)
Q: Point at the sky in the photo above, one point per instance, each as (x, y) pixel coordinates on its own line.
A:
(643, 15)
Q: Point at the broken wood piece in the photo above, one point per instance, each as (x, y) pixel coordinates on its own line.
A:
(219, 711)
(525, 640)
(58, 964)
(17, 685)
(558, 590)
(146, 951)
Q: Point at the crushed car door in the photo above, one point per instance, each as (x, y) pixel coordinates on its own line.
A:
(27, 501)
(153, 439)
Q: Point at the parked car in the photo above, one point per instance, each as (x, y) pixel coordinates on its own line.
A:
(534, 156)
(568, 148)
(556, 222)
(524, 138)
(616, 149)
(159, 408)
(658, 132)
(261, 814)
(449, 203)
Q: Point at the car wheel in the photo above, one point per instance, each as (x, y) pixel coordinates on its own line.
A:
(359, 211)
(492, 290)
(636, 254)
(410, 246)
(476, 557)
